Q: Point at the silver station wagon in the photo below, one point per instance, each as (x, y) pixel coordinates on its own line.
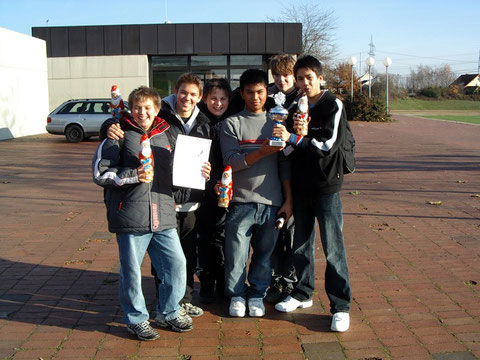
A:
(79, 119)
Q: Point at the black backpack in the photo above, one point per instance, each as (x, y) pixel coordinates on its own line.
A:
(348, 148)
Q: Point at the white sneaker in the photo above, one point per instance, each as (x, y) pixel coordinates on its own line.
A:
(256, 307)
(290, 304)
(340, 322)
(237, 306)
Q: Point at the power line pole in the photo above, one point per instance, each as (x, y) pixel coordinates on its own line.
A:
(478, 70)
(372, 47)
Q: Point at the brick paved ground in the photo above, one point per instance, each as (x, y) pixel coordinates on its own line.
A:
(415, 268)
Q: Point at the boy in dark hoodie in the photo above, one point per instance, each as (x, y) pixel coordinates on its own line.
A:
(317, 179)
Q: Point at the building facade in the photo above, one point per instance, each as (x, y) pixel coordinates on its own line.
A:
(84, 61)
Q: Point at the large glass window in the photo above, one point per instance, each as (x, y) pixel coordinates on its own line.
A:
(166, 69)
(164, 81)
(255, 60)
(209, 60)
(169, 61)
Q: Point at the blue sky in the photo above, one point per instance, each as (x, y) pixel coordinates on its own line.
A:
(410, 32)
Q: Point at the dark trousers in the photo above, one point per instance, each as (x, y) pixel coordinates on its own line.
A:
(211, 245)
(327, 209)
(282, 256)
(187, 232)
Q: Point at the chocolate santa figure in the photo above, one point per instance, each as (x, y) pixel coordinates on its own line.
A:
(116, 105)
(226, 188)
(146, 157)
(302, 114)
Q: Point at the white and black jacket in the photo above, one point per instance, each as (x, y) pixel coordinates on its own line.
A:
(317, 161)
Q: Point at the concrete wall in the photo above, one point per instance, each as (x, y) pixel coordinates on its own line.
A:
(24, 85)
(93, 76)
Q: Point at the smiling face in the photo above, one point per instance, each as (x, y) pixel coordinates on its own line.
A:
(254, 96)
(309, 82)
(284, 82)
(217, 102)
(144, 112)
(188, 95)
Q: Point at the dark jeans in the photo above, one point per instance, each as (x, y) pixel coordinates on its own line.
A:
(282, 256)
(327, 209)
(187, 233)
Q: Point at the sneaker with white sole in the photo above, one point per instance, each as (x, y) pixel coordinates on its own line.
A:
(237, 306)
(256, 307)
(192, 310)
(143, 331)
(290, 304)
(181, 323)
(340, 322)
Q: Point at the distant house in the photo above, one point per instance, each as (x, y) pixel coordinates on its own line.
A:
(365, 79)
(469, 82)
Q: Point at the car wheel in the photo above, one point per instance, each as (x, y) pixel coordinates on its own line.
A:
(74, 133)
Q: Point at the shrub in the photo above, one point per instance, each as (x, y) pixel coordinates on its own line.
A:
(367, 109)
(433, 92)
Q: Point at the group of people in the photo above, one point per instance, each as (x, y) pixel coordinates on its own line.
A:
(184, 230)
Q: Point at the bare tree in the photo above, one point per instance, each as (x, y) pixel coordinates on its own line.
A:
(427, 76)
(318, 27)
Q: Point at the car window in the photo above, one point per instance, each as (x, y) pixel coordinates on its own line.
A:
(76, 108)
(106, 108)
(98, 108)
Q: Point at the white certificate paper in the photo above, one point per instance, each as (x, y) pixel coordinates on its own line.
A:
(190, 155)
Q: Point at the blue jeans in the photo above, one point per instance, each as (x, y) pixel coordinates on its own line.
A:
(249, 224)
(167, 257)
(327, 209)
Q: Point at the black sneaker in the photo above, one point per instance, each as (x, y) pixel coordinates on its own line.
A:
(274, 293)
(181, 323)
(143, 331)
(192, 310)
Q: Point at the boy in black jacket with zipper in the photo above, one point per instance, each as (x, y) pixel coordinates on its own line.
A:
(140, 210)
(316, 181)
(180, 111)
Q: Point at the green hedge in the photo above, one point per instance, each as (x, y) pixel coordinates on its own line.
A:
(364, 108)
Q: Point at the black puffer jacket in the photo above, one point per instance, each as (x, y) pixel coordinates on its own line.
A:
(132, 206)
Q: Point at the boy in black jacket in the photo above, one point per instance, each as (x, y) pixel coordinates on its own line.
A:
(215, 105)
(180, 111)
(140, 210)
(316, 181)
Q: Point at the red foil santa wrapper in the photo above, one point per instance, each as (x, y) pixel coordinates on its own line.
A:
(146, 156)
(226, 188)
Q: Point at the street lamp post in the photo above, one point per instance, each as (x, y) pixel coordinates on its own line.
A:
(370, 62)
(387, 62)
(352, 61)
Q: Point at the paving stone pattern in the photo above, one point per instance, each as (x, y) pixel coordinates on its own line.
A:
(412, 229)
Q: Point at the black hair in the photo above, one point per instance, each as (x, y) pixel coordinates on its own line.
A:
(253, 76)
(308, 62)
(217, 84)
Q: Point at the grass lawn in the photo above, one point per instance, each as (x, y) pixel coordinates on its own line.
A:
(460, 118)
(418, 104)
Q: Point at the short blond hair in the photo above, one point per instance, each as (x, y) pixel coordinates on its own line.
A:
(282, 64)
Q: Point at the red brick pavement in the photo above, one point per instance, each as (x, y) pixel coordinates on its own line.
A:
(415, 268)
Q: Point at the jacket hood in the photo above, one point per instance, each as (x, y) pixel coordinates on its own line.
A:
(171, 101)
